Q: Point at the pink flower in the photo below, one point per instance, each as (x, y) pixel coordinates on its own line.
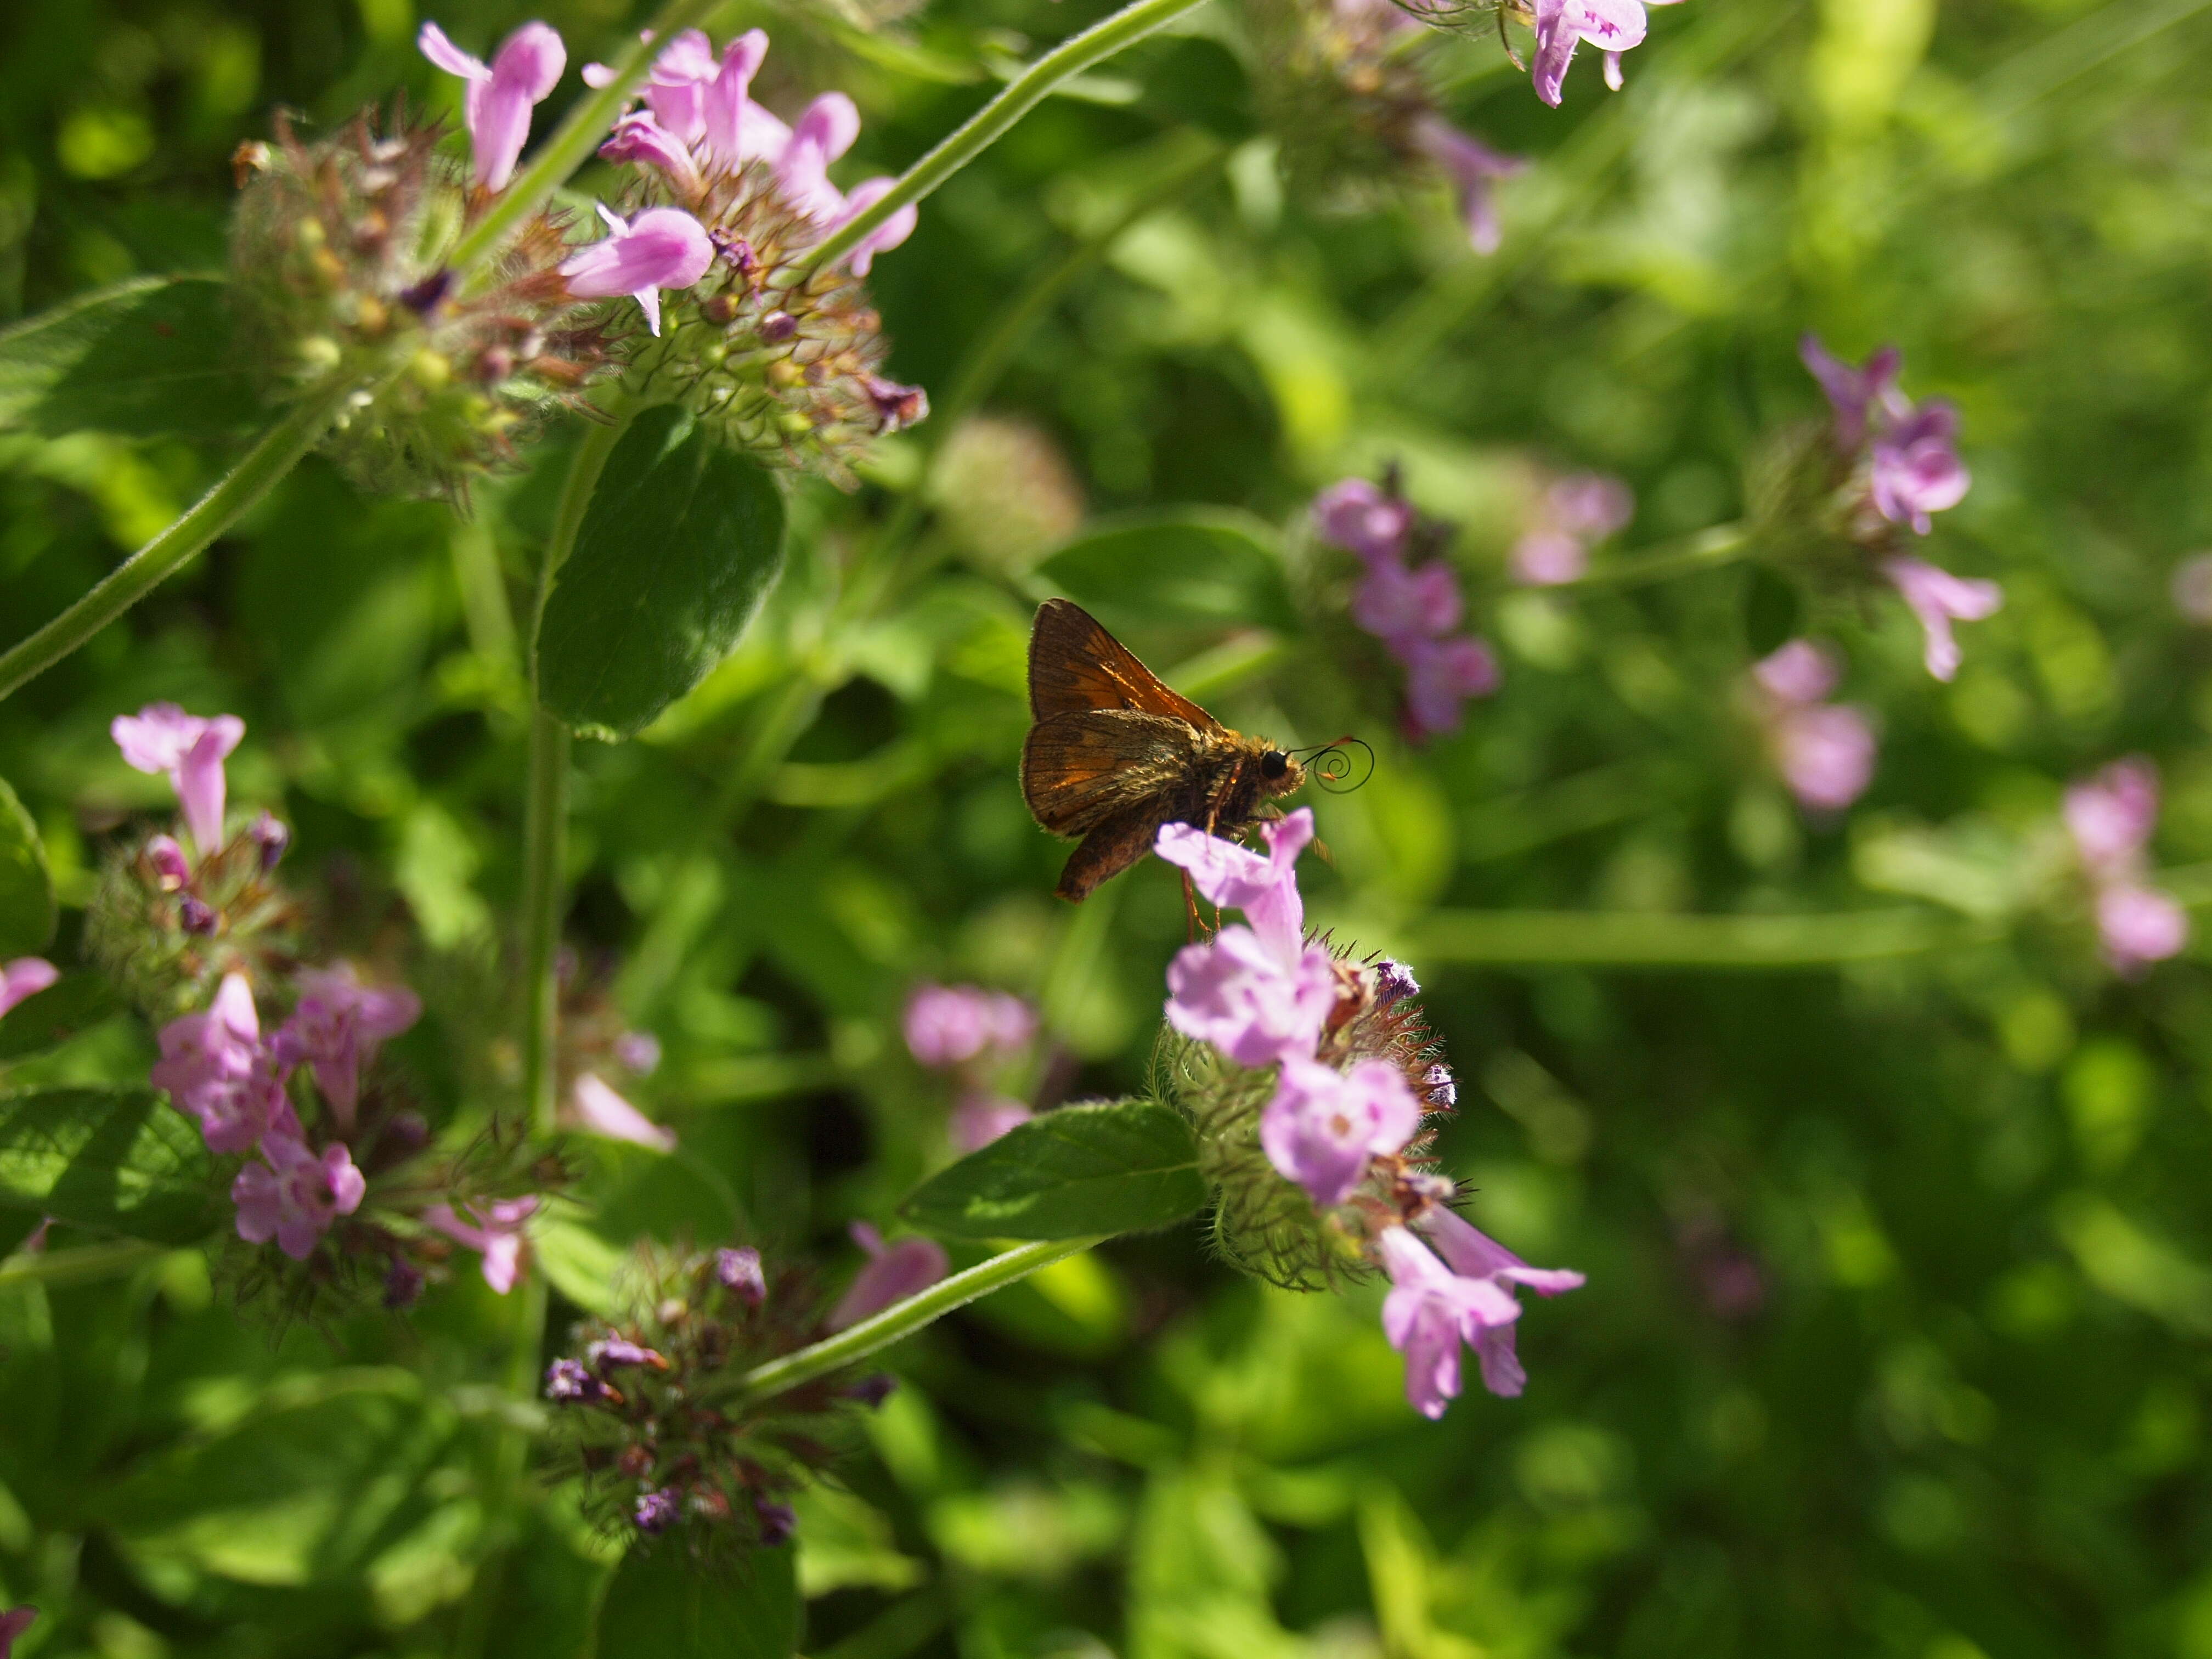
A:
(492, 1228)
(639, 1052)
(336, 1027)
(13, 1623)
(1247, 1000)
(1612, 25)
(23, 979)
(948, 1025)
(1938, 599)
(496, 108)
(1826, 754)
(1545, 557)
(1395, 604)
(979, 1120)
(1357, 516)
(662, 248)
(640, 140)
(598, 1109)
(1475, 169)
(894, 1272)
(1474, 1255)
(1917, 470)
(1579, 511)
(296, 1196)
(172, 872)
(2139, 925)
(217, 1070)
(1431, 1311)
(1856, 395)
(1266, 889)
(1323, 1125)
(2110, 817)
(1441, 675)
(884, 237)
(163, 738)
(1799, 673)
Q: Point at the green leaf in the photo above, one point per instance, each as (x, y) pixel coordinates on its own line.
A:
(1117, 1167)
(660, 1606)
(113, 1160)
(150, 358)
(1771, 610)
(27, 890)
(679, 545)
(73, 1003)
(1193, 565)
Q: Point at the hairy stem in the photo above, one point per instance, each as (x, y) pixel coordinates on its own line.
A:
(277, 452)
(572, 141)
(903, 1318)
(991, 123)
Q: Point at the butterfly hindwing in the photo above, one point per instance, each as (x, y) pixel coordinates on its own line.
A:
(1082, 767)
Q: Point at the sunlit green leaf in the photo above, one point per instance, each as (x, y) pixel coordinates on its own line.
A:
(151, 357)
(113, 1160)
(27, 890)
(1193, 566)
(661, 1605)
(1118, 1167)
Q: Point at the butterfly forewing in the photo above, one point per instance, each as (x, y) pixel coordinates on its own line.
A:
(1076, 664)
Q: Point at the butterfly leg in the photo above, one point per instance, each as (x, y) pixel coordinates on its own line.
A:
(1190, 910)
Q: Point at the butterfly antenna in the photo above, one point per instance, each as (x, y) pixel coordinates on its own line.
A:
(1334, 766)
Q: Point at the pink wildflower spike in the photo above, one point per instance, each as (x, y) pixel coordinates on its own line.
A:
(1431, 1311)
(501, 95)
(2110, 817)
(1394, 603)
(1938, 599)
(886, 235)
(495, 1230)
(1358, 517)
(336, 1029)
(1475, 169)
(662, 248)
(1916, 472)
(948, 1025)
(13, 1623)
(1474, 1255)
(979, 1120)
(163, 738)
(1323, 1125)
(296, 1195)
(1612, 25)
(1266, 889)
(597, 1109)
(1441, 675)
(23, 979)
(217, 1070)
(894, 1272)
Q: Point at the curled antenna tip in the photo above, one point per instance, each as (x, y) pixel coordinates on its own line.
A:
(1334, 767)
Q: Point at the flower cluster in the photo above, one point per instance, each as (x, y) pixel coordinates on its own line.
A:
(2110, 817)
(1825, 751)
(1355, 111)
(1613, 26)
(1414, 611)
(971, 1035)
(1899, 465)
(661, 1436)
(779, 354)
(1575, 513)
(1309, 1080)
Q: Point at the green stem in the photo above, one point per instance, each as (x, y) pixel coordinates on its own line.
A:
(572, 141)
(903, 1318)
(1709, 550)
(76, 1265)
(992, 122)
(278, 451)
(1586, 939)
(545, 798)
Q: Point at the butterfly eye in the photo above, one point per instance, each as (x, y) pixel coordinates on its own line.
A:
(1274, 763)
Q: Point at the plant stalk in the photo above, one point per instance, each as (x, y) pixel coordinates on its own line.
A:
(1588, 938)
(903, 1318)
(1708, 549)
(85, 1261)
(277, 452)
(991, 123)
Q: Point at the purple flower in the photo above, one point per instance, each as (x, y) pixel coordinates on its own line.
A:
(639, 1052)
(1431, 1311)
(172, 870)
(948, 1025)
(195, 915)
(297, 1194)
(739, 1271)
(777, 1521)
(1266, 889)
(873, 1390)
(979, 1120)
(1474, 1255)
(1917, 470)
(597, 1109)
(1856, 395)
(336, 1029)
(1395, 604)
(216, 1068)
(1826, 754)
(1394, 982)
(23, 979)
(569, 1382)
(885, 237)
(163, 738)
(1578, 510)
(657, 1511)
(499, 97)
(1938, 599)
(615, 1351)
(1799, 673)
(1442, 1088)
(1475, 169)
(1323, 1125)
(1357, 516)
(1245, 1000)
(1612, 25)
(1547, 557)
(662, 248)
(493, 1229)
(894, 1272)
(403, 1284)
(2139, 925)
(1441, 675)
(13, 1623)
(2110, 817)
(272, 836)
(641, 140)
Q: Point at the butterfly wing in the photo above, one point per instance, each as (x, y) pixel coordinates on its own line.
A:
(1075, 665)
(1082, 767)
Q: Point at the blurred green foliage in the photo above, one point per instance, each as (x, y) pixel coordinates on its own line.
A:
(1900, 1271)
